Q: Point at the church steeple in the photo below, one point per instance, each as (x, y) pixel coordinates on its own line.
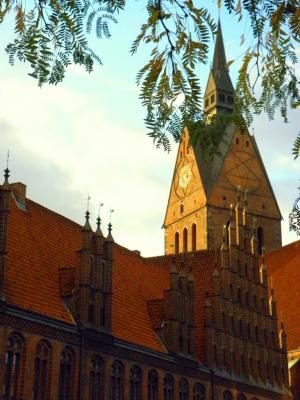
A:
(219, 90)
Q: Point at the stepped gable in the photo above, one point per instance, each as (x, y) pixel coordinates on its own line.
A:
(284, 275)
(203, 264)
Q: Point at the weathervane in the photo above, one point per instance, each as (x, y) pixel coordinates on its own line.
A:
(110, 212)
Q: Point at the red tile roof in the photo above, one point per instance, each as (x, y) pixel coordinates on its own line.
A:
(39, 243)
(283, 267)
(42, 248)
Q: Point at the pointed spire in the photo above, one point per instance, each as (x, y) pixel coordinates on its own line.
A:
(219, 91)
(219, 60)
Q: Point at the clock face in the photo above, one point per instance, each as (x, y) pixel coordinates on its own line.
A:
(184, 176)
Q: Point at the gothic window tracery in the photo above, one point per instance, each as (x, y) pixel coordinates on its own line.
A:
(41, 371)
(168, 387)
(12, 368)
(96, 378)
(199, 392)
(135, 390)
(117, 381)
(183, 389)
(152, 385)
(66, 374)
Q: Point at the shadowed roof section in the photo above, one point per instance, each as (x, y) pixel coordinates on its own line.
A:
(283, 267)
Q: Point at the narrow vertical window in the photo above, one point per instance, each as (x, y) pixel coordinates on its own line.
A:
(41, 371)
(65, 374)
(117, 381)
(152, 385)
(12, 367)
(96, 377)
(194, 237)
(185, 240)
(183, 389)
(168, 387)
(135, 390)
(176, 242)
(260, 239)
(227, 395)
(199, 392)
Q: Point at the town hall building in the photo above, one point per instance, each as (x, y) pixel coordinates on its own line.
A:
(84, 318)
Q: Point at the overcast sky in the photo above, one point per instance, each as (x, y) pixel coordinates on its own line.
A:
(86, 136)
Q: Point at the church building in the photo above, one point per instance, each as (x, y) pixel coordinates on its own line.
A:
(84, 318)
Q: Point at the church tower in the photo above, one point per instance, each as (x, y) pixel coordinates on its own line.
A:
(219, 91)
(202, 192)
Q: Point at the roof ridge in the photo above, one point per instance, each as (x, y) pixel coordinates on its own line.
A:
(50, 211)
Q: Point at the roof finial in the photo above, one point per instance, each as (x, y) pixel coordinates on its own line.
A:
(87, 214)
(98, 218)
(6, 171)
(109, 236)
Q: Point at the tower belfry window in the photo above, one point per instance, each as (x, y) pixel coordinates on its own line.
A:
(176, 242)
(185, 240)
(194, 237)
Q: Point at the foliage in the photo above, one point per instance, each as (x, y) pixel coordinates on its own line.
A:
(52, 34)
(294, 217)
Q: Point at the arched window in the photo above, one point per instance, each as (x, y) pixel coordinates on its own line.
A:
(66, 374)
(194, 237)
(183, 389)
(185, 240)
(168, 387)
(12, 367)
(135, 390)
(241, 396)
(260, 239)
(152, 385)
(96, 378)
(227, 395)
(199, 392)
(176, 242)
(42, 364)
(117, 381)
